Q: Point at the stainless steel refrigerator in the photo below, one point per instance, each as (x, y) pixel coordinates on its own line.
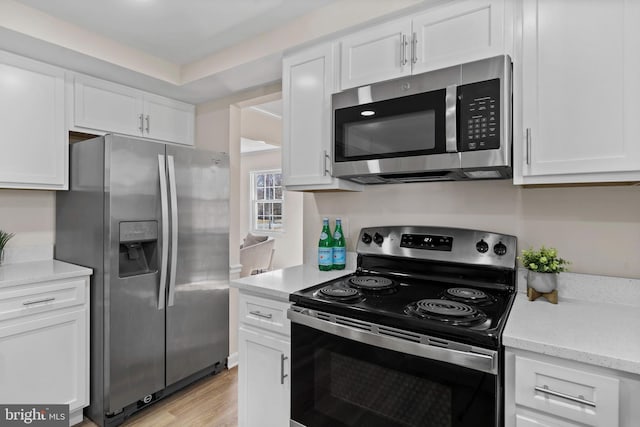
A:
(152, 220)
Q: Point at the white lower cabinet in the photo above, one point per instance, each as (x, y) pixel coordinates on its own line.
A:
(263, 378)
(544, 391)
(44, 344)
(535, 420)
(264, 357)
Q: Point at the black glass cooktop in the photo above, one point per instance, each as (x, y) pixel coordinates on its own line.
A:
(463, 313)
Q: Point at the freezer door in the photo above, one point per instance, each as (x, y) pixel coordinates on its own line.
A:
(198, 291)
(134, 324)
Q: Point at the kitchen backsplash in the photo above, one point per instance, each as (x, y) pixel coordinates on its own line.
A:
(593, 288)
(30, 215)
(596, 228)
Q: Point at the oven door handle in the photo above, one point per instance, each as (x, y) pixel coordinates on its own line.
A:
(468, 359)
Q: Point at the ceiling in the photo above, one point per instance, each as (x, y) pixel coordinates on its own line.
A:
(178, 31)
(190, 50)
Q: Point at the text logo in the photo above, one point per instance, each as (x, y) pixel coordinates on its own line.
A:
(34, 415)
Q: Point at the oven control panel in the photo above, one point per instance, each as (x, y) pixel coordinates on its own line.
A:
(426, 241)
(456, 245)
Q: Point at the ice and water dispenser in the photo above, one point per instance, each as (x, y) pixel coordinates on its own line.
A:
(138, 248)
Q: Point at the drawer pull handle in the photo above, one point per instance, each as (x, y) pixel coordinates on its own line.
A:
(38, 301)
(259, 314)
(580, 399)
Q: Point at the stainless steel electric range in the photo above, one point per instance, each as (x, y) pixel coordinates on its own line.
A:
(412, 338)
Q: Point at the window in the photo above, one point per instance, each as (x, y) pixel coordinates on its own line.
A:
(266, 201)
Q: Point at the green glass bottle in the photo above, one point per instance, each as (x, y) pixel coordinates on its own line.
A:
(339, 247)
(325, 247)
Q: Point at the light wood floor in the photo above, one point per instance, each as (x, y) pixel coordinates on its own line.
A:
(211, 402)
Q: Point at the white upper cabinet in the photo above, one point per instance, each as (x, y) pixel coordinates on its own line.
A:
(33, 135)
(442, 36)
(376, 54)
(580, 88)
(169, 120)
(456, 33)
(109, 107)
(307, 84)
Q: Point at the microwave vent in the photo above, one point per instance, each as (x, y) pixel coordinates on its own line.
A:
(368, 179)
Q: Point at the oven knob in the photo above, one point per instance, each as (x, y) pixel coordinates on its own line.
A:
(500, 249)
(482, 246)
(378, 239)
(366, 238)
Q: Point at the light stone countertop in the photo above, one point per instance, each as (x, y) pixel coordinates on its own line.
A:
(39, 271)
(581, 327)
(279, 284)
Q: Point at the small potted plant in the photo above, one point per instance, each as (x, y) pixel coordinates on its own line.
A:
(4, 238)
(544, 266)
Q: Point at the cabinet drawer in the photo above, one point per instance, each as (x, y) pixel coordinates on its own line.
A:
(570, 393)
(17, 301)
(265, 313)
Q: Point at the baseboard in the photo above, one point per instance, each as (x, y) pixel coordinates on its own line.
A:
(75, 417)
(232, 360)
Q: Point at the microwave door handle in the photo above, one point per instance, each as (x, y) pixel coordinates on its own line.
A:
(451, 101)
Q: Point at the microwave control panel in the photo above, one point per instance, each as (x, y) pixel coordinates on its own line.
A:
(479, 116)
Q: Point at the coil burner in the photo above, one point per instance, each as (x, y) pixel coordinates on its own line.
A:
(373, 283)
(339, 293)
(451, 312)
(469, 296)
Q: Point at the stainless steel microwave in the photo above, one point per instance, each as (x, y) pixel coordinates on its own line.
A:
(448, 124)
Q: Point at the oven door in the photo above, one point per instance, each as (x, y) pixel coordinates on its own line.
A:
(338, 380)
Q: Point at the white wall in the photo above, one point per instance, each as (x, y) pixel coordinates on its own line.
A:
(288, 244)
(596, 228)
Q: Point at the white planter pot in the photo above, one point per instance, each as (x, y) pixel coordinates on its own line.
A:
(542, 282)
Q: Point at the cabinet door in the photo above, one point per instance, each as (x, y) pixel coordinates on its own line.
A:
(574, 394)
(264, 383)
(44, 359)
(107, 107)
(307, 84)
(376, 54)
(168, 120)
(580, 84)
(540, 421)
(456, 33)
(33, 138)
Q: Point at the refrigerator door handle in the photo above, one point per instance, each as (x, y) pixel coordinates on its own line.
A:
(164, 256)
(174, 231)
